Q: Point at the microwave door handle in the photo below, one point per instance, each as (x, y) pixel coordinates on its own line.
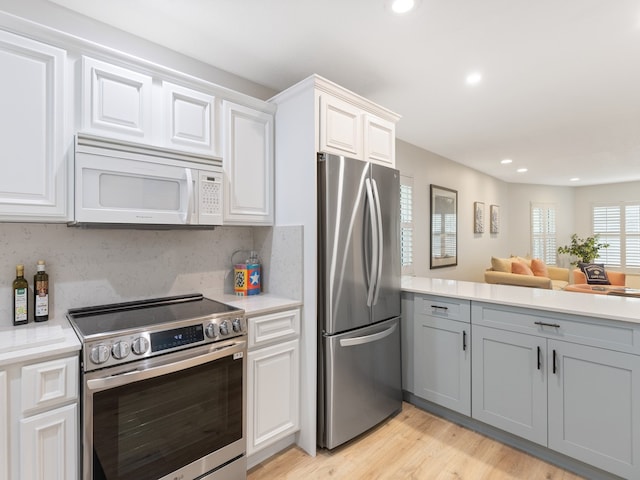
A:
(190, 189)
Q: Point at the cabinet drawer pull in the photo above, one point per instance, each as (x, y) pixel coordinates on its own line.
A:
(555, 357)
(464, 340)
(545, 324)
(440, 308)
(539, 358)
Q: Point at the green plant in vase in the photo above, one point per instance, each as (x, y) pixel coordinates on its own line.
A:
(584, 249)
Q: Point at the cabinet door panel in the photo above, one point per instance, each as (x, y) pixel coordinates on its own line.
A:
(248, 166)
(340, 127)
(4, 427)
(380, 141)
(508, 389)
(116, 101)
(48, 445)
(32, 126)
(189, 119)
(594, 406)
(442, 362)
(48, 384)
(274, 394)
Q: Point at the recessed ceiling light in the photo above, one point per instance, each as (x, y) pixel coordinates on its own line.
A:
(474, 78)
(402, 6)
(506, 161)
(522, 170)
(574, 179)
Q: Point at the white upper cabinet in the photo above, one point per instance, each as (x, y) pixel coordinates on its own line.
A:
(248, 165)
(32, 130)
(340, 127)
(353, 126)
(116, 101)
(379, 140)
(189, 118)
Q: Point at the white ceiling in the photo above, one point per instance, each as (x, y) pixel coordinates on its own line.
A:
(560, 93)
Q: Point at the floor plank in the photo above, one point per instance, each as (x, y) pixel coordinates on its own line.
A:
(413, 445)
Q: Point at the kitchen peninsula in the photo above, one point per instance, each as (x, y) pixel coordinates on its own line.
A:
(554, 373)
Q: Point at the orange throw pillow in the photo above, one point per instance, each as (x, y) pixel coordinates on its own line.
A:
(521, 268)
(539, 268)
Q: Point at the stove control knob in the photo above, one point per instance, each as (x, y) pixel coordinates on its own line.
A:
(140, 346)
(224, 328)
(99, 354)
(120, 350)
(211, 330)
(237, 325)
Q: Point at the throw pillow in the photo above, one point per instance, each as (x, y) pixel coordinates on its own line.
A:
(525, 260)
(595, 273)
(521, 268)
(539, 268)
(501, 264)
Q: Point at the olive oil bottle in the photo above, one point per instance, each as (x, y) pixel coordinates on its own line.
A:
(20, 297)
(41, 294)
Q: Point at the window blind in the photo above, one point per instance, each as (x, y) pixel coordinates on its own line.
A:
(543, 232)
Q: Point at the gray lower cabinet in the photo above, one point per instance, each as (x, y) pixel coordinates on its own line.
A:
(442, 352)
(578, 399)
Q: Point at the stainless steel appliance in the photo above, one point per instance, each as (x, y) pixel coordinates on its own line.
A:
(359, 381)
(164, 392)
(123, 183)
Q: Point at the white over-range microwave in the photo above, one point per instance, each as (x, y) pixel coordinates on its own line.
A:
(121, 183)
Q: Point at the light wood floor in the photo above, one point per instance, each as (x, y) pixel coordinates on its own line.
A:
(412, 445)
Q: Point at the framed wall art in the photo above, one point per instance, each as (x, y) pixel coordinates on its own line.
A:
(478, 217)
(444, 227)
(494, 218)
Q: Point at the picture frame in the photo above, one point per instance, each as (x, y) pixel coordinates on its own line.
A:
(478, 217)
(494, 219)
(443, 227)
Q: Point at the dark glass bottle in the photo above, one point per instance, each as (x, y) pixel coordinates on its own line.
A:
(20, 297)
(41, 294)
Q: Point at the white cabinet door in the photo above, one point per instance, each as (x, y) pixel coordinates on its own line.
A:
(32, 131)
(442, 362)
(48, 445)
(380, 141)
(4, 427)
(189, 119)
(594, 406)
(248, 166)
(273, 390)
(509, 388)
(116, 102)
(340, 127)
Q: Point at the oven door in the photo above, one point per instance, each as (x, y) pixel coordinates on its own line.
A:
(180, 415)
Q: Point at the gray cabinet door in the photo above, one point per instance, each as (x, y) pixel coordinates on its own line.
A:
(509, 384)
(442, 362)
(594, 406)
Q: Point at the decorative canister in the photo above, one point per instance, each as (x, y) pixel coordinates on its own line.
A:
(246, 277)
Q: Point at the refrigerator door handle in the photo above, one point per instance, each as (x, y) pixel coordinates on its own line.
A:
(376, 195)
(351, 342)
(374, 243)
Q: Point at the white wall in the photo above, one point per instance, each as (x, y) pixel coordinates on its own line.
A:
(474, 250)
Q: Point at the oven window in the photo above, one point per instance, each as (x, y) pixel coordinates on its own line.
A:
(148, 429)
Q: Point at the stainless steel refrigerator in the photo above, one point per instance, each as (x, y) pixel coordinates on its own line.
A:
(359, 382)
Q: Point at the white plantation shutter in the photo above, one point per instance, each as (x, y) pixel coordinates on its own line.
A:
(406, 224)
(619, 226)
(543, 232)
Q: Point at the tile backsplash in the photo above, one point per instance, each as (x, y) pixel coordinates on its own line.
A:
(96, 266)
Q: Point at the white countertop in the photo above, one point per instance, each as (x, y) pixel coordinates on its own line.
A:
(576, 303)
(259, 304)
(37, 340)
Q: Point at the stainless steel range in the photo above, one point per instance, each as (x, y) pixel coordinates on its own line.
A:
(164, 394)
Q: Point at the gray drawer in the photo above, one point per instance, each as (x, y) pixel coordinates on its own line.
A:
(443, 307)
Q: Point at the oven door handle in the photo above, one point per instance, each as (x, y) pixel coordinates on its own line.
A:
(151, 372)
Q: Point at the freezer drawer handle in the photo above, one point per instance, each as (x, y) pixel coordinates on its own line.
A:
(351, 342)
